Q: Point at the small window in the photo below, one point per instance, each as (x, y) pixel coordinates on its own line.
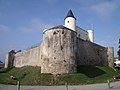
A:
(68, 21)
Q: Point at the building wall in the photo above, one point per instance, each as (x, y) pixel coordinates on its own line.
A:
(110, 54)
(59, 51)
(7, 60)
(10, 59)
(91, 54)
(28, 57)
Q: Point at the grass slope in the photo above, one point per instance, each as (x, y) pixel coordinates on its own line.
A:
(31, 76)
(89, 75)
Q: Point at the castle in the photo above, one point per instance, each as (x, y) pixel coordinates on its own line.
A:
(63, 48)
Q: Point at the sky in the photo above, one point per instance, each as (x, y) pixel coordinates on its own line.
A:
(22, 21)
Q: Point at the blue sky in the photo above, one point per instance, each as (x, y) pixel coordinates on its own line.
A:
(23, 21)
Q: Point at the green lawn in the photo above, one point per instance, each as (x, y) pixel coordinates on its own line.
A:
(88, 75)
(31, 76)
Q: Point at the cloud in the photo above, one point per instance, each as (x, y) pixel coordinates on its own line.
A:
(3, 28)
(105, 43)
(103, 8)
(38, 24)
(26, 30)
(110, 43)
(35, 25)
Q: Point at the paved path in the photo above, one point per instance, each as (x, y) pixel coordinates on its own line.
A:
(103, 86)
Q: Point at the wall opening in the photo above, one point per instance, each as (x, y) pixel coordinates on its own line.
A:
(65, 61)
(62, 32)
(61, 47)
(54, 33)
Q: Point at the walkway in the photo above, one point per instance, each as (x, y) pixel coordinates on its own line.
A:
(103, 86)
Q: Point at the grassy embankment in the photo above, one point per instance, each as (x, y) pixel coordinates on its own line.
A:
(32, 76)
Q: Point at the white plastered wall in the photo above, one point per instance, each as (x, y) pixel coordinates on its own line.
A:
(70, 23)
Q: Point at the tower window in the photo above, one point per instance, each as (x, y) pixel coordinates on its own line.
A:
(68, 21)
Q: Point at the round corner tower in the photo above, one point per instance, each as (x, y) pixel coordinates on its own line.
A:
(59, 51)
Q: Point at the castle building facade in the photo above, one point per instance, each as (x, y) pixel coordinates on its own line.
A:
(64, 47)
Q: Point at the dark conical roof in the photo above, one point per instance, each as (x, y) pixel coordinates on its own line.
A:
(70, 14)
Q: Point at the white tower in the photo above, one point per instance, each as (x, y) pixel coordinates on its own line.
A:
(91, 35)
(70, 20)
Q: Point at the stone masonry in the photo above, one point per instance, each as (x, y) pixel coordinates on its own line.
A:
(63, 48)
(61, 51)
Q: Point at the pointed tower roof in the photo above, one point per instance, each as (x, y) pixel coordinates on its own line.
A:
(70, 14)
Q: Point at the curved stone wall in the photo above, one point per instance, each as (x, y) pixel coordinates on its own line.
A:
(59, 49)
